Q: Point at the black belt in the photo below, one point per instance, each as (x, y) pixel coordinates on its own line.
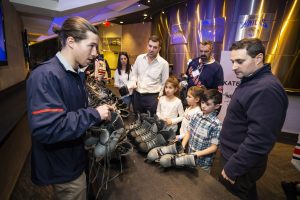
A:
(146, 94)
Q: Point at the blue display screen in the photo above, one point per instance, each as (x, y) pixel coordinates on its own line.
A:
(3, 55)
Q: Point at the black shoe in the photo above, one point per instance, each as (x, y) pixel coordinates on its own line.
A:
(290, 190)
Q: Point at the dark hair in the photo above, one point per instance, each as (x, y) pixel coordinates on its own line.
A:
(128, 66)
(175, 83)
(75, 27)
(155, 38)
(208, 42)
(197, 92)
(214, 95)
(254, 46)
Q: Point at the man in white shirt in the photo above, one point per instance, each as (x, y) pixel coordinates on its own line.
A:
(149, 74)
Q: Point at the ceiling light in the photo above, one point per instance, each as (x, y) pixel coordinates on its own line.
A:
(148, 1)
(145, 15)
(121, 22)
(163, 12)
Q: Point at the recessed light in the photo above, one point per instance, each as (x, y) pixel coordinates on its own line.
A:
(148, 1)
(163, 12)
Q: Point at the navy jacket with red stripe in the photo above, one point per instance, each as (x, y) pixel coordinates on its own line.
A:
(58, 117)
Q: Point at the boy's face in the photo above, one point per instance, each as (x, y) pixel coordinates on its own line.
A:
(209, 106)
(85, 51)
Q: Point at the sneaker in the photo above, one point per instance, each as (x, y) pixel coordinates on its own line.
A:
(155, 142)
(169, 160)
(102, 149)
(148, 135)
(158, 152)
(145, 126)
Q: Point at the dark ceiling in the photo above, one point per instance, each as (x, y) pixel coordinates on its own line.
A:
(155, 6)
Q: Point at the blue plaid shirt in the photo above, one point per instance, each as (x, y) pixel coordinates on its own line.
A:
(204, 131)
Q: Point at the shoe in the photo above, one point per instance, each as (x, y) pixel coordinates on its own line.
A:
(148, 135)
(158, 152)
(135, 124)
(124, 148)
(169, 160)
(145, 126)
(100, 133)
(115, 123)
(124, 113)
(290, 189)
(90, 142)
(168, 134)
(155, 142)
(102, 149)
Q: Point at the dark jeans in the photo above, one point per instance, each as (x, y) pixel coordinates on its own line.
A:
(128, 100)
(145, 102)
(244, 186)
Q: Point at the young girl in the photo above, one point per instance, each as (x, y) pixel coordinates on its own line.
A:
(122, 75)
(169, 106)
(193, 98)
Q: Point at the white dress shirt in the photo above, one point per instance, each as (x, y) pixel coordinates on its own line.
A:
(149, 78)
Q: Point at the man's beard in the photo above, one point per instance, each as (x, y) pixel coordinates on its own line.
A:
(204, 58)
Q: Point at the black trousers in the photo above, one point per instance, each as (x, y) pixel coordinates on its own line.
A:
(145, 102)
(245, 186)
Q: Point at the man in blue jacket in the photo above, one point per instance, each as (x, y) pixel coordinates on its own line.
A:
(58, 112)
(205, 70)
(254, 118)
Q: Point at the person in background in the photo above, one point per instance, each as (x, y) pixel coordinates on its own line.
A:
(102, 69)
(255, 116)
(149, 74)
(205, 70)
(169, 108)
(58, 112)
(122, 76)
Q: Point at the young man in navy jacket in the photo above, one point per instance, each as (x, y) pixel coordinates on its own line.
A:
(58, 112)
(254, 118)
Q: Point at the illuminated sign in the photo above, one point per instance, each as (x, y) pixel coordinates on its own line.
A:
(254, 26)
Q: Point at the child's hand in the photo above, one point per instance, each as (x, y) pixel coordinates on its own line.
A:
(168, 121)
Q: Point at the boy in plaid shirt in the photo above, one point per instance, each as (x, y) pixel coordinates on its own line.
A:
(203, 137)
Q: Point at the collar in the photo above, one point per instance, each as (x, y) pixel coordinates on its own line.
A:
(211, 116)
(265, 69)
(65, 63)
(155, 59)
(212, 60)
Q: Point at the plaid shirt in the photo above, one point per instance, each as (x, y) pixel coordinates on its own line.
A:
(204, 131)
